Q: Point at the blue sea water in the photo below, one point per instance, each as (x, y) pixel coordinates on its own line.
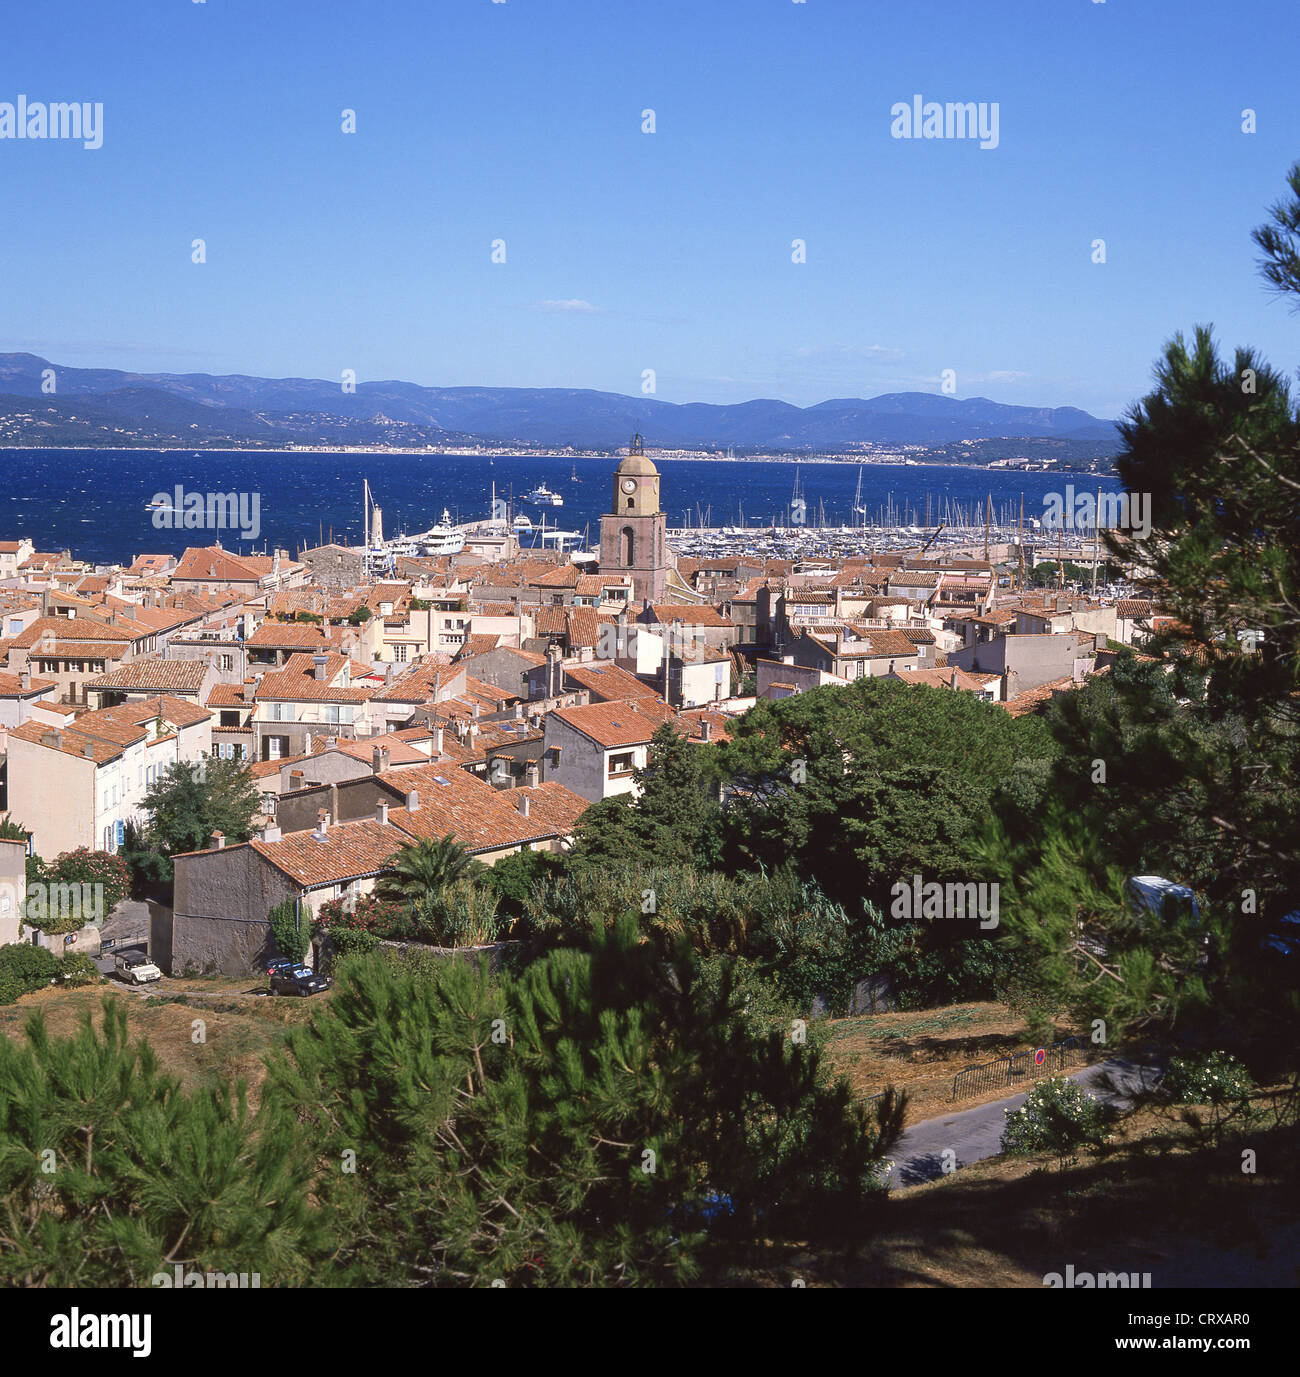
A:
(93, 502)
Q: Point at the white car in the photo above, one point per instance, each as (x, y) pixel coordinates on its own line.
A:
(135, 968)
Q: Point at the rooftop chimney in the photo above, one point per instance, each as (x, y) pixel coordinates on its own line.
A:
(88, 749)
(413, 801)
(531, 774)
(706, 729)
(523, 805)
(437, 741)
(331, 742)
(381, 813)
(322, 820)
(270, 833)
(554, 671)
(24, 678)
(318, 667)
(218, 840)
(954, 678)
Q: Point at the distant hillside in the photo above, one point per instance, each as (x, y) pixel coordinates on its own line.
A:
(198, 409)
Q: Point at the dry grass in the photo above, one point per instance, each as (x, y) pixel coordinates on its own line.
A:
(922, 1051)
(241, 1026)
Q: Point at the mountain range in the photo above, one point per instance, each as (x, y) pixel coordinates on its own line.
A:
(111, 407)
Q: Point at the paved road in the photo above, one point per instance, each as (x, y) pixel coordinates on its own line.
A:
(974, 1134)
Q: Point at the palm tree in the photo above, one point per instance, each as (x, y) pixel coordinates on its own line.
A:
(425, 869)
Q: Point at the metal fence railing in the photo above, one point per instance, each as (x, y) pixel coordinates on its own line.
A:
(1012, 1070)
(135, 939)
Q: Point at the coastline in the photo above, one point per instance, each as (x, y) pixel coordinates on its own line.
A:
(613, 458)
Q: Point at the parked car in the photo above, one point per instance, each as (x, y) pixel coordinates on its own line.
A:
(298, 980)
(136, 968)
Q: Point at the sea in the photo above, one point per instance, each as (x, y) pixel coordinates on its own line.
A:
(94, 503)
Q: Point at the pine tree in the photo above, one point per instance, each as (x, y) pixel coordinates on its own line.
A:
(599, 1120)
(110, 1173)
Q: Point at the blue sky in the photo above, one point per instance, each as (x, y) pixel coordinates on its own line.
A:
(669, 251)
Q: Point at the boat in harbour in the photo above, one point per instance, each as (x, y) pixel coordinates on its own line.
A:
(444, 538)
(544, 497)
(858, 509)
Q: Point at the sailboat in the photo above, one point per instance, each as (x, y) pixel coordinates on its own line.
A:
(858, 509)
(573, 476)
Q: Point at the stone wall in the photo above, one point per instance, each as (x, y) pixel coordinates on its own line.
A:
(230, 946)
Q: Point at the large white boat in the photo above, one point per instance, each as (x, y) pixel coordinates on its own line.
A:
(544, 497)
(444, 538)
(523, 522)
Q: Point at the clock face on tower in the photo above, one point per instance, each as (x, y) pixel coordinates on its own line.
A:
(629, 485)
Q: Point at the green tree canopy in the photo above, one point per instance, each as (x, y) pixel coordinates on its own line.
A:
(110, 1173)
(673, 819)
(861, 786)
(421, 871)
(599, 1120)
(1187, 765)
(190, 801)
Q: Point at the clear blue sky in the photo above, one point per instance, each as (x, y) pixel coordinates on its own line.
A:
(628, 251)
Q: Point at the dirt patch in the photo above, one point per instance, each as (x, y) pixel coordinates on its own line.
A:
(204, 1032)
(922, 1051)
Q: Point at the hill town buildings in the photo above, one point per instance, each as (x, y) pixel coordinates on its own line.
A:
(492, 695)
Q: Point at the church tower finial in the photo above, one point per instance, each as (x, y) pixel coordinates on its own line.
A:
(637, 446)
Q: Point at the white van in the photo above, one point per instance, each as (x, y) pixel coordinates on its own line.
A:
(135, 968)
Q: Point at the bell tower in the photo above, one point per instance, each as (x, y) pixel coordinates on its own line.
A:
(633, 533)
